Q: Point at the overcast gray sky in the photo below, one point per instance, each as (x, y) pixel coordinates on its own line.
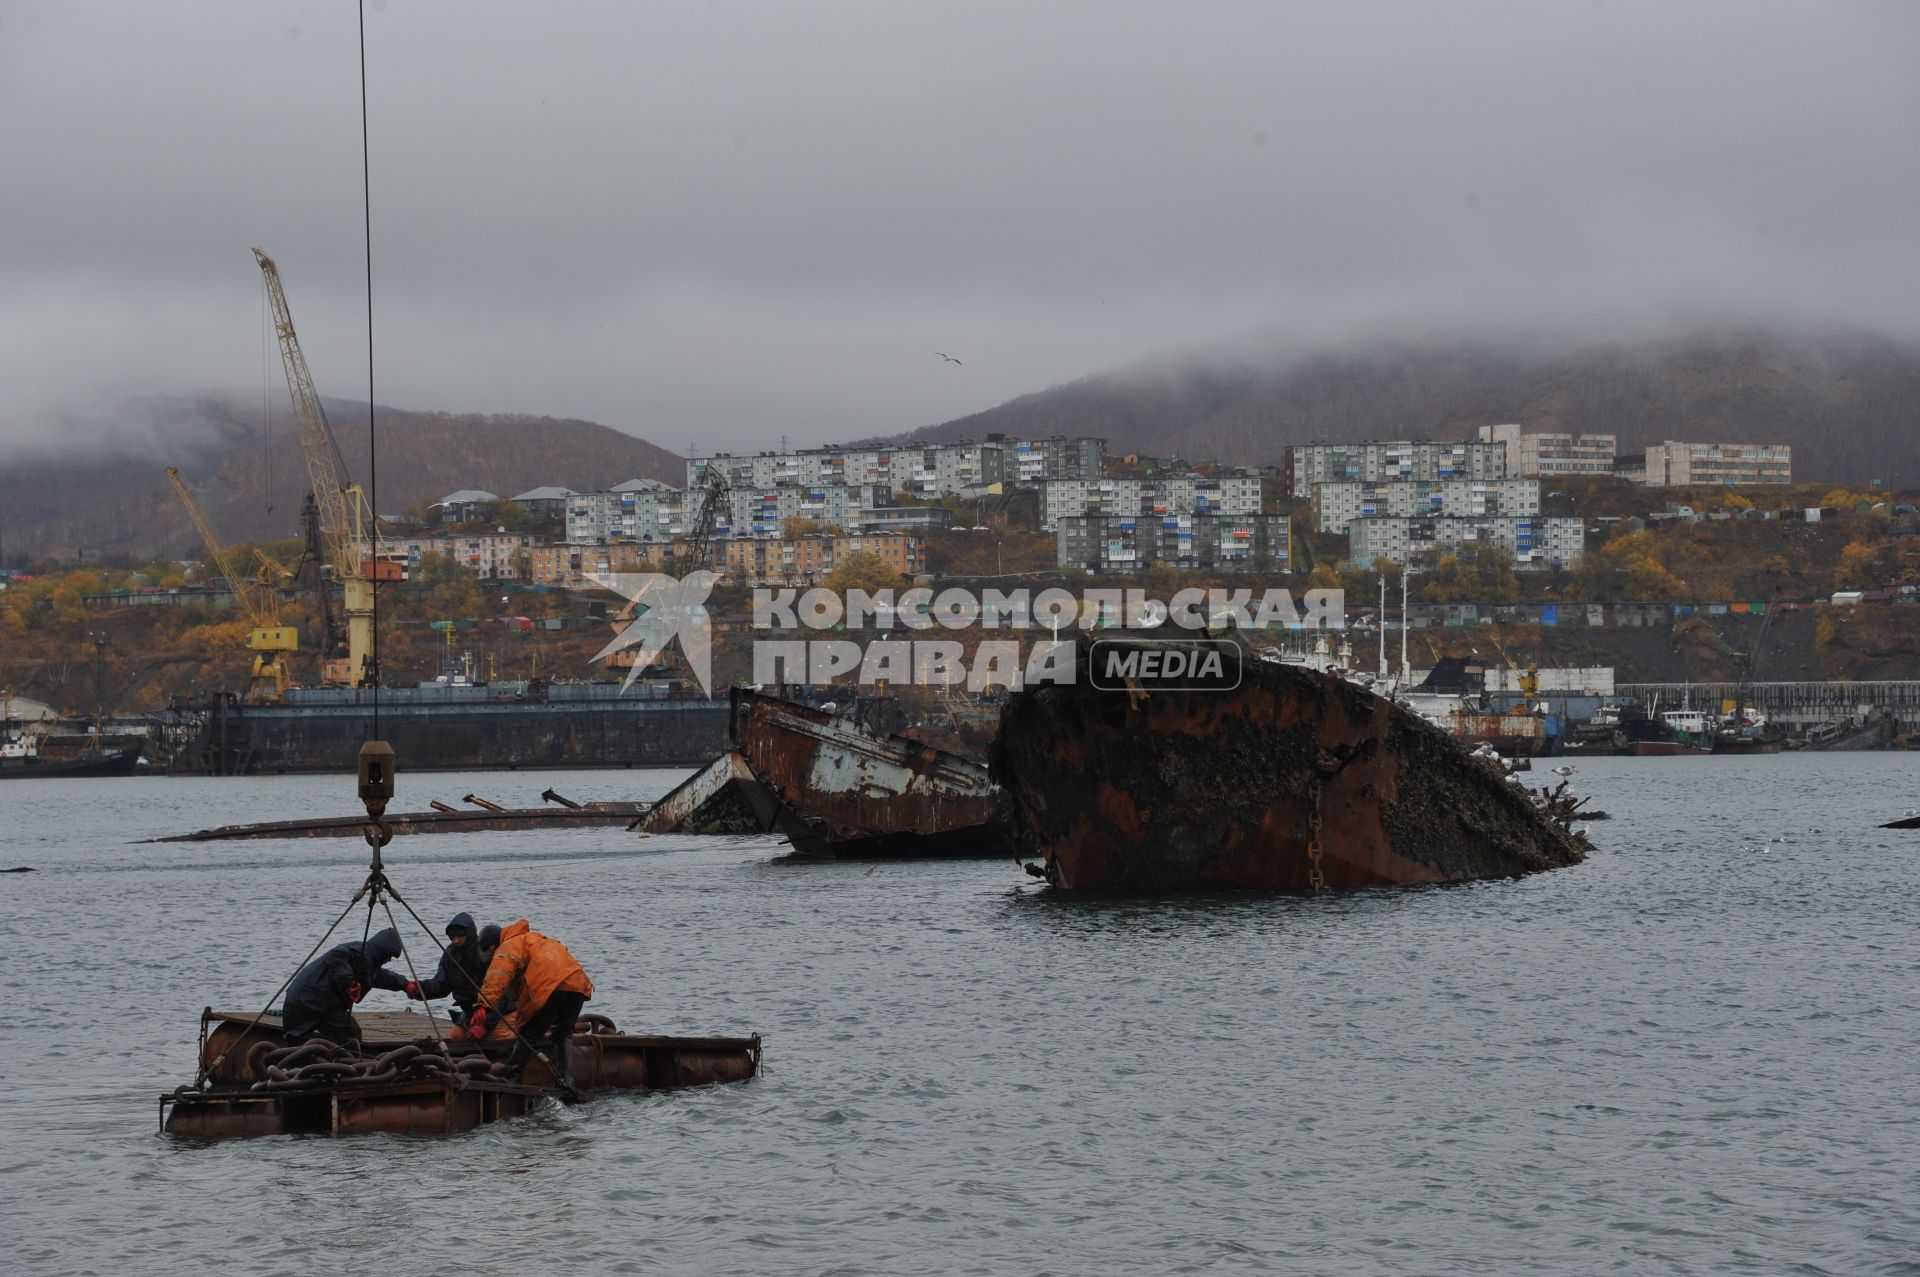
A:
(728, 221)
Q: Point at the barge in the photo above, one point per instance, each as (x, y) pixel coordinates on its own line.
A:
(410, 1078)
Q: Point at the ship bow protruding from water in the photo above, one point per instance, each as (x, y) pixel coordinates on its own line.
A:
(1292, 780)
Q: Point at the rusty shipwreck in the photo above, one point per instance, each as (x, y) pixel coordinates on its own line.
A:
(1291, 780)
(836, 787)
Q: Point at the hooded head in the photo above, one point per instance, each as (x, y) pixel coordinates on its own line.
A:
(461, 926)
(383, 947)
(490, 937)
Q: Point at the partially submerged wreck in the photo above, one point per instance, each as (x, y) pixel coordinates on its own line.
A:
(834, 787)
(1292, 780)
(408, 1077)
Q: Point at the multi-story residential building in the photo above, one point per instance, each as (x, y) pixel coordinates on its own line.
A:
(1339, 503)
(763, 512)
(500, 556)
(1533, 542)
(631, 512)
(1550, 454)
(808, 560)
(570, 566)
(1671, 464)
(1035, 461)
(1380, 460)
(464, 506)
(1126, 543)
(544, 503)
(903, 518)
(1185, 494)
(924, 470)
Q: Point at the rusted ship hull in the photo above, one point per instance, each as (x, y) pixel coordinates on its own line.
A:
(232, 1106)
(1292, 780)
(835, 788)
(1510, 735)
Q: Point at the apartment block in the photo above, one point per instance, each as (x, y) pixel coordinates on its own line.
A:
(1381, 460)
(1533, 542)
(1339, 503)
(808, 560)
(1188, 494)
(1127, 543)
(1035, 461)
(1549, 454)
(929, 471)
(764, 511)
(570, 566)
(494, 555)
(638, 511)
(1671, 464)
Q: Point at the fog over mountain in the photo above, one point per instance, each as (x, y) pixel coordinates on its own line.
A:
(1848, 401)
(729, 222)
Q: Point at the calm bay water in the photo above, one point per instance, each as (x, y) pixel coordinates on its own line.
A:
(1694, 1053)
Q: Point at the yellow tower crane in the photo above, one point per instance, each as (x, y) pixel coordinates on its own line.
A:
(270, 642)
(346, 524)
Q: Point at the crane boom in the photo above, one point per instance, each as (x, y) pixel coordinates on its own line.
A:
(270, 641)
(346, 524)
(326, 466)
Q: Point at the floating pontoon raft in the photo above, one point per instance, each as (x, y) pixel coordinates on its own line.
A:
(423, 1090)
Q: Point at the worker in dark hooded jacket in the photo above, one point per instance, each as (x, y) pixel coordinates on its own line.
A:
(463, 968)
(321, 998)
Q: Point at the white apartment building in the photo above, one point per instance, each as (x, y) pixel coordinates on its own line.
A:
(1549, 454)
(1127, 543)
(1671, 464)
(1533, 542)
(1381, 460)
(496, 555)
(1337, 504)
(648, 514)
(1190, 494)
(928, 471)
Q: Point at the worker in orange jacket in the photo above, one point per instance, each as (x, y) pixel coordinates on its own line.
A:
(548, 988)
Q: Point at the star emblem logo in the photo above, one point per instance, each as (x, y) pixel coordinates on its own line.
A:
(668, 608)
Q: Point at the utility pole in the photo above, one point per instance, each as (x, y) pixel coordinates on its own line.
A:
(1406, 673)
(1383, 627)
(99, 638)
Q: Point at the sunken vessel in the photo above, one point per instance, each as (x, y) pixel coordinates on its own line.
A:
(1290, 780)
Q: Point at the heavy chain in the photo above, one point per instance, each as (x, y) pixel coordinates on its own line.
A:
(1315, 879)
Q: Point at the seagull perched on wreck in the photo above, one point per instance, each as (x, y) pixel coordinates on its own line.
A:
(949, 358)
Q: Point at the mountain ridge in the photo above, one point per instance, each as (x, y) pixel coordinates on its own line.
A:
(1848, 401)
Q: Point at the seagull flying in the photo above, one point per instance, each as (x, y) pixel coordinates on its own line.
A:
(949, 358)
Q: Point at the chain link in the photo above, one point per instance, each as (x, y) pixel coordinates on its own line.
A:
(1315, 879)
